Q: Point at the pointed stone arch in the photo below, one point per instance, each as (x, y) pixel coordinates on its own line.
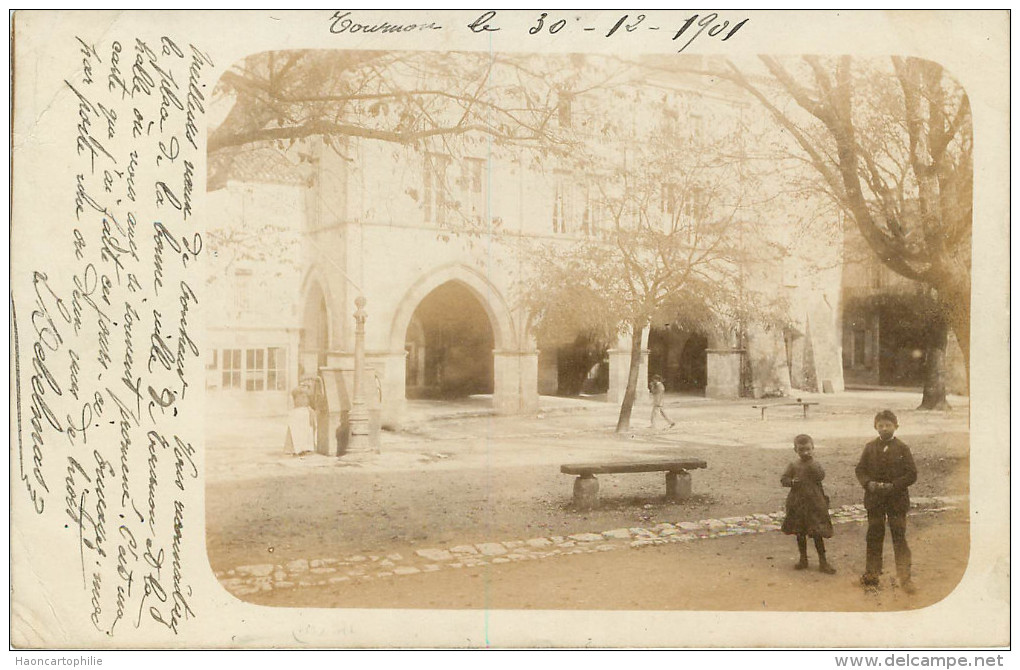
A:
(515, 363)
(500, 318)
(319, 332)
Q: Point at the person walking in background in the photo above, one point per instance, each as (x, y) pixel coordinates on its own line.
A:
(658, 391)
(885, 471)
(807, 506)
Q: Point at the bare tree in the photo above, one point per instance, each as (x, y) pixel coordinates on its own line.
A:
(407, 98)
(658, 235)
(893, 147)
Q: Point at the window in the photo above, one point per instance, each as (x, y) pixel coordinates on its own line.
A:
(255, 370)
(264, 369)
(472, 183)
(682, 208)
(435, 188)
(695, 205)
(670, 196)
(211, 359)
(231, 369)
(564, 213)
(593, 214)
(242, 289)
(276, 369)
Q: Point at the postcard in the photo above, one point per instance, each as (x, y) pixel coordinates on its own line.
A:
(509, 329)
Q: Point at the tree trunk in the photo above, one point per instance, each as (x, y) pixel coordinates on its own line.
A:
(623, 424)
(934, 395)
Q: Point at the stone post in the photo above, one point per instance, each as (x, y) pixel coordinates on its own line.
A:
(723, 373)
(619, 370)
(360, 440)
(586, 492)
(678, 486)
(515, 382)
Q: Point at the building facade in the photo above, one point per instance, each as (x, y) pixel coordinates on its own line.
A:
(432, 241)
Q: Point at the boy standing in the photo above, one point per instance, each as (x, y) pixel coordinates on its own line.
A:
(658, 391)
(885, 471)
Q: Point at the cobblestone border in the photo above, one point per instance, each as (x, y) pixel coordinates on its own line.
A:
(301, 573)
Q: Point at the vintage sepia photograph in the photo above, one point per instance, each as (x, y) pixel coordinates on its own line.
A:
(519, 330)
(510, 329)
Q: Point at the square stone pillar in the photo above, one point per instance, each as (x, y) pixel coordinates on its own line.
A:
(723, 373)
(515, 382)
(619, 370)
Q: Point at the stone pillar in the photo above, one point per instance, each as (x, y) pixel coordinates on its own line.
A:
(586, 492)
(723, 373)
(548, 372)
(619, 363)
(619, 370)
(359, 416)
(678, 486)
(515, 382)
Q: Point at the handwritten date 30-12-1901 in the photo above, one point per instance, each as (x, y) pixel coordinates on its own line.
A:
(684, 32)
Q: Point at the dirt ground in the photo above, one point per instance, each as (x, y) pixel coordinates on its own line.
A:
(458, 479)
(733, 573)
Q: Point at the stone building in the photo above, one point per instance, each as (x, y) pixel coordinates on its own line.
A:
(885, 325)
(431, 241)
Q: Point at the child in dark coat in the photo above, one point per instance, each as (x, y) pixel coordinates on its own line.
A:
(807, 506)
(885, 471)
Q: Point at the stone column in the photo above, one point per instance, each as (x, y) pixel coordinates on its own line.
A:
(619, 370)
(515, 381)
(359, 418)
(723, 373)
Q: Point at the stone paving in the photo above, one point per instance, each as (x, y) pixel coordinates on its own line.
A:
(302, 573)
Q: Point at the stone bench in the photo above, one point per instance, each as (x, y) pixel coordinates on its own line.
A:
(586, 486)
(795, 403)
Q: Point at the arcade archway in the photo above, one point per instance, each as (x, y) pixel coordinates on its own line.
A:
(449, 344)
(680, 357)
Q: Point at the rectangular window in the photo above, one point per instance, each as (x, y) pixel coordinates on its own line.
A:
(473, 186)
(276, 369)
(255, 369)
(435, 188)
(564, 214)
(695, 204)
(211, 359)
(242, 289)
(669, 202)
(231, 369)
(670, 196)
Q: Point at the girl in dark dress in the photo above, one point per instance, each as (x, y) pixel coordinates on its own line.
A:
(807, 506)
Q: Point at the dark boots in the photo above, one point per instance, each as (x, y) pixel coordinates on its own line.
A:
(802, 548)
(823, 564)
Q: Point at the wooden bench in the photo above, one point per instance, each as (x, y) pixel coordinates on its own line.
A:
(586, 486)
(794, 403)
